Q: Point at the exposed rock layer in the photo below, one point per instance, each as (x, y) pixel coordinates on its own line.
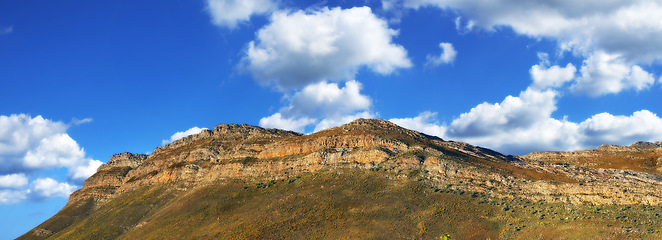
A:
(607, 175)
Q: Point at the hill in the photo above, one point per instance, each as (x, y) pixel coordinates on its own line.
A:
(366, 179)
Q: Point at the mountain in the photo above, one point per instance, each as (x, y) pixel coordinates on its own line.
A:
(369, 179)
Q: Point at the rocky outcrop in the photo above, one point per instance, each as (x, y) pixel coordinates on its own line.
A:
(108, 178)
(640, 157)
(646, 145)
(123, 160)
(610, 174)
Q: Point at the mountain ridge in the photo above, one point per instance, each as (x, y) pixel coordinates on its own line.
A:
(232, 153)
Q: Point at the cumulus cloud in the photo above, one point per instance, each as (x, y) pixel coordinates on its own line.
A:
(21, 133)
(326, 99)
(516, 125)
(604, 73)
(523, 124)
(12, 196)
(447, 56)
(607, 128)
(594, 29)
(30, 144)
(615, 38)
(305, 53)
(324, 104)
(85, 170)
(230, 13)
(300, 48)
(44, 188)
(277, 120)
(180, 135)
(514, 112)
(40, 189)
(16, 180)
(424, 122)
(546, 76)
(583, 26)
(53, 151)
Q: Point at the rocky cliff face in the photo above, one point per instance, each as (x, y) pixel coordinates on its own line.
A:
(243, 151)
(640, 157)
(609, 174)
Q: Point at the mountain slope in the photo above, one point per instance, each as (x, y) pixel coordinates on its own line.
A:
(640, 156)
(366, 179)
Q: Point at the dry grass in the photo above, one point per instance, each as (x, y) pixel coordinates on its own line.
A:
(343, 204)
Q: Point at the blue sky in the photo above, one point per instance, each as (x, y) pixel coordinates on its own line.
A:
(82, 80)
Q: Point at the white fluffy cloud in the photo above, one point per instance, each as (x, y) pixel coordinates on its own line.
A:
(604, 73)
(615, 38)
(30, 144)
(54, 151)
(522, 124)
(300, 48)
(16, 180)
(179, 135)
(44, 188)
(447, 55)
(511, 114)
(545, 76)
(328, 99)
(86, 169)
(40, 189)
(324, 104)
(277, 120)
(583, 26)
(424, 122)
(303, 54)
(229, 13)
(12, 196)
(595, 29)
(516, 125)
(21, 133)
(607, 128)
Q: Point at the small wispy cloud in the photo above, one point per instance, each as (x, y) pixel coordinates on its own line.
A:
(77, 121)
(6, 30)
(447, 56)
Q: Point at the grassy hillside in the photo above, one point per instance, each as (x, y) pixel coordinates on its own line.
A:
(342, 204)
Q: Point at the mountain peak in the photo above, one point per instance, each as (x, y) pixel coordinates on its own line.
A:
(370, 122)
(377, 125)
